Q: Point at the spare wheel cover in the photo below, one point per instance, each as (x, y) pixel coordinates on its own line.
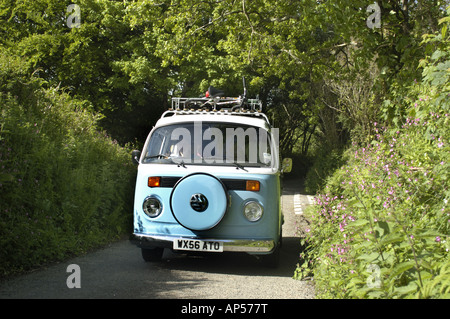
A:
(198, 201)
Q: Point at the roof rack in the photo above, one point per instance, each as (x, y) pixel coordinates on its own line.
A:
(216, 104)
(223, 111)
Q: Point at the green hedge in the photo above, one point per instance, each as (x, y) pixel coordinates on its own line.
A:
(65, 186)
(380, 228)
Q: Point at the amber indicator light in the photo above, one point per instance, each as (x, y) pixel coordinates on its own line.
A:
(154, 181)
(252, 186)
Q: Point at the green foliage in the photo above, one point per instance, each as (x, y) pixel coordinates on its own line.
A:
(108, 60)
(326, 161)
(66, 187)
(323, 75)
(381, 228)
(127, 58)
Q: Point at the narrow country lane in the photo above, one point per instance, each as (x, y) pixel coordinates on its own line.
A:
(118, 271)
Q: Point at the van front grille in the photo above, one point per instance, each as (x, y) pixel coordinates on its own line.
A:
(230, 184)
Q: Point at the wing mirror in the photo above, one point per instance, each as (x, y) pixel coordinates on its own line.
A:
(135, 156)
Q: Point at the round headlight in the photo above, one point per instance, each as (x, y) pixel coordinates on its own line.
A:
(253, 211)
(152, 207)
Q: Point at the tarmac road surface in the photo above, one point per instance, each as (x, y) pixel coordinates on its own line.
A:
(118, 271)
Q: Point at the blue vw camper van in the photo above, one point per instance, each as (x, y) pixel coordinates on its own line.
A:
(209, 180)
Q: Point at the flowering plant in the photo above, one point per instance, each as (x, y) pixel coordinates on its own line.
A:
(380, 228)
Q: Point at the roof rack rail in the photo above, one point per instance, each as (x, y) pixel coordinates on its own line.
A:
(216, 104)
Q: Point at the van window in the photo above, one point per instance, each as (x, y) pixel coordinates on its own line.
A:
(210, 143)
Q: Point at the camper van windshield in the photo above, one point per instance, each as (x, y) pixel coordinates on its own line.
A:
(210, 143)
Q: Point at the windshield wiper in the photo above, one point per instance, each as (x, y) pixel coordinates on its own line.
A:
(168, 157)
(157, 156)
(239, 166)
(181, 164)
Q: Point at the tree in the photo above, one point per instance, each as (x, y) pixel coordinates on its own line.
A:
(106, 61)
(128, 58)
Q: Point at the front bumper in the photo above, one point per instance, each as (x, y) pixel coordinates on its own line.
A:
(229, 245)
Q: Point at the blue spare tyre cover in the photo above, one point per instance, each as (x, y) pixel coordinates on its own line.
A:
(198, 201)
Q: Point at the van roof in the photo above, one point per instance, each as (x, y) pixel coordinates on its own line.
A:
(255, 119)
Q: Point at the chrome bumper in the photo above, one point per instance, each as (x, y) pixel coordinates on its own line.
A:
(232, 245)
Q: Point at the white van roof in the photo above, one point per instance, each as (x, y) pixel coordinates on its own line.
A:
(255, 119)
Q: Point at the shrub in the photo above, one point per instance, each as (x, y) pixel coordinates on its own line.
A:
(381, 227)
(65, 186)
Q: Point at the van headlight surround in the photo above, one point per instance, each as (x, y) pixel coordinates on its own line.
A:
(152, 206)
(253, 211)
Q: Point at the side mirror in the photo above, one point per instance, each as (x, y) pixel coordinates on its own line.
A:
(135, 156)
(286, 165)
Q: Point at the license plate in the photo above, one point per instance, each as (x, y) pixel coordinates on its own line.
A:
(197, 245)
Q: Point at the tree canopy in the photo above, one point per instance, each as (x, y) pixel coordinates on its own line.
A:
(305, 59)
